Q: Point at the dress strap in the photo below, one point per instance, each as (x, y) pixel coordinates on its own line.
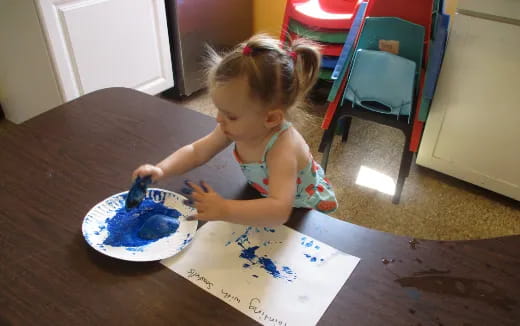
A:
(274, 138)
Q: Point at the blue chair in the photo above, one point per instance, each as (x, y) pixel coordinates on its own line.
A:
(328, 62)
(438, 46)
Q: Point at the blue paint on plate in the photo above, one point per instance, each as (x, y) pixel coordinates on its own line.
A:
(158, 226)
(123, 228)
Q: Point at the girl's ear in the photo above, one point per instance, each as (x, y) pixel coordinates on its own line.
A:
(273, 118)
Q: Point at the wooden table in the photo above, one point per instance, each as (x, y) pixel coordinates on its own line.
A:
(55, 167)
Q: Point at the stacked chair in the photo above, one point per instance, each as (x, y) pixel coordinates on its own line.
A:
(439, 37)
(326, 22)
(381, 72)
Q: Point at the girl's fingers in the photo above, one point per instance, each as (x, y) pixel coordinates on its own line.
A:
(145, 170)
(206, 186)
(195, 187)
(196, 196)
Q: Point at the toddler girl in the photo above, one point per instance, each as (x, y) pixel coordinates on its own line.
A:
(253, 87)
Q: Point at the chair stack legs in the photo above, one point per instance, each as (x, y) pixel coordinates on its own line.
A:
(345, 128)
(404, 169)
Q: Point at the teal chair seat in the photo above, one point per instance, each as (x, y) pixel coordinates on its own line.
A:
(409, 36)
(382, 82)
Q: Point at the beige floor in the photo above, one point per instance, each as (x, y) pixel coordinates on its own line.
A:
(433, 206)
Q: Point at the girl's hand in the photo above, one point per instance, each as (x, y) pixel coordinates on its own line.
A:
(147, 169)
(209, 204)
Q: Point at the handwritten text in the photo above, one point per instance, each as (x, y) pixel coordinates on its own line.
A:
(230, 297)
(262, 315)
(194, 274)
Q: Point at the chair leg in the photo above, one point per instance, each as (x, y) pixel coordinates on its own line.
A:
(346, 129)
(326, 142)
(328, 135)
(404, 169)
(325, 157)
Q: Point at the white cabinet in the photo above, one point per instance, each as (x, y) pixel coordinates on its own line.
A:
(83, 46)
(473, 129)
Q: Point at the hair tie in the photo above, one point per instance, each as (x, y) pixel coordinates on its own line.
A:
(247, 50)
(293, 55)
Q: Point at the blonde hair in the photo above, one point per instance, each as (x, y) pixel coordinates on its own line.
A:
(279, 75)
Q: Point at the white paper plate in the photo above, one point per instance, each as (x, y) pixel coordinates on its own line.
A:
(95, 228)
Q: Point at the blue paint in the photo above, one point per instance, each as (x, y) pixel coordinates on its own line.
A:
(413, 293)
(228, 243)
(269, 230)
(243, 238)
(185, 242)
(140, 249)
(255, 275)
(249, 253)
(317, 247)
(269, 266)
(187, 191)
(264, 262)
(123, 228)
(158, 226)
(137, 192)
(312, 259)
(287, 270)
(309, 244)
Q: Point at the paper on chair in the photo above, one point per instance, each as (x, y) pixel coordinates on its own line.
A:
(277, 276)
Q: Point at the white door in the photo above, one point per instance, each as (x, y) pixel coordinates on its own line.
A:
(473, 129)
(96, 44)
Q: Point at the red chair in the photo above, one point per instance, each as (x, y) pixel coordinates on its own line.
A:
(416, 11)
(321, 14)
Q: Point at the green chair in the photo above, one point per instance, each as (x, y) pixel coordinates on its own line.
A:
(315, 34)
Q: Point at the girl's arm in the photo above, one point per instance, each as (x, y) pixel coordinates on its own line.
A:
(187, 157)
(273, 210)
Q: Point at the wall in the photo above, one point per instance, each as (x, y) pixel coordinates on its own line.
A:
(268, 16)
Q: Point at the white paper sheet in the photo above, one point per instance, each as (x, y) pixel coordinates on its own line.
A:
(277, 276)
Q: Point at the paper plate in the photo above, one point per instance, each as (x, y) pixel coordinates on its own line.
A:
(95, 226)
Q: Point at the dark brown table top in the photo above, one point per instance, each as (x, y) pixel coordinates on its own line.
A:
(55, 167)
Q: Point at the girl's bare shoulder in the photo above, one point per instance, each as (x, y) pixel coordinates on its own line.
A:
(292, 142)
